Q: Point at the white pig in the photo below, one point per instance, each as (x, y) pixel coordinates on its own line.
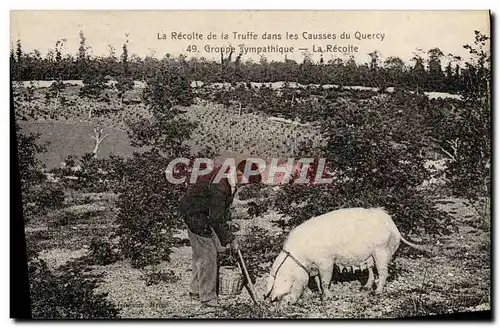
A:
(355, 238)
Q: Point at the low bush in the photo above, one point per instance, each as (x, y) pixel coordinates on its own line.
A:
(258, 207)
(249, 191)
(67, 294)
(102, 253)
(156, 277)
(46, 197)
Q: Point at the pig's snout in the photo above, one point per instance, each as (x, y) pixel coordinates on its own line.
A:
(271, 297)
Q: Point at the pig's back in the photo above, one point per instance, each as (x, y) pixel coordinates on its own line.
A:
(342, 232)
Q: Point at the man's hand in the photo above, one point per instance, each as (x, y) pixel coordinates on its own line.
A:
(234, 245)
(221, 249)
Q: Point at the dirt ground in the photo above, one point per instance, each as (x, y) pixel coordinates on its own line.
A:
(457, 279)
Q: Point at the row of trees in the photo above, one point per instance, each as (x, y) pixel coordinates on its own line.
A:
(425, 72)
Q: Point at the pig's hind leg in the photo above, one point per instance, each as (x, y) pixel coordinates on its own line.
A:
(382, 259)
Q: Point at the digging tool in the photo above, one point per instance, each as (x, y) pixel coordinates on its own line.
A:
(248, 284)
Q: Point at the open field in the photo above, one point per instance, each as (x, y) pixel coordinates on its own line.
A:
(73, 138)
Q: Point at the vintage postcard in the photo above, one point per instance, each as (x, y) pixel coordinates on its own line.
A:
(253, 164)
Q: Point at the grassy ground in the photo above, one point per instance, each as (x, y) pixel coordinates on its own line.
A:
(73, 138)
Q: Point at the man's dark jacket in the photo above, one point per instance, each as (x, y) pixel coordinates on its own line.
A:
(206, 204)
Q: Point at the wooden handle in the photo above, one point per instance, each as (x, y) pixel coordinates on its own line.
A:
(249, 284)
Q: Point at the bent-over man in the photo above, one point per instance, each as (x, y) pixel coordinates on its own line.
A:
(205, 210)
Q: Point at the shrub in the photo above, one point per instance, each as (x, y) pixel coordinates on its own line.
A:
(69, 294)
(49, 196)
(101, 252)
(59, 221)
(377, 159)
(166, 89)
(93, 174)
(259, 207)
(148, 202)
(124, 84)
(148, 205)
(38, 195)
(156, 277)
(94, 83)
(249, 191)
(30, 174)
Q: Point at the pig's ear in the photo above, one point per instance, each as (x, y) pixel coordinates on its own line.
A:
(271, 280)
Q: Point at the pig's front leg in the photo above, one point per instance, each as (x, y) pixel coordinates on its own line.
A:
(325, 273)
(371, 279)
(318, 283)
(308, 294)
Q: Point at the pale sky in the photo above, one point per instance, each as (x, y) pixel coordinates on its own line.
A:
(403, 31)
